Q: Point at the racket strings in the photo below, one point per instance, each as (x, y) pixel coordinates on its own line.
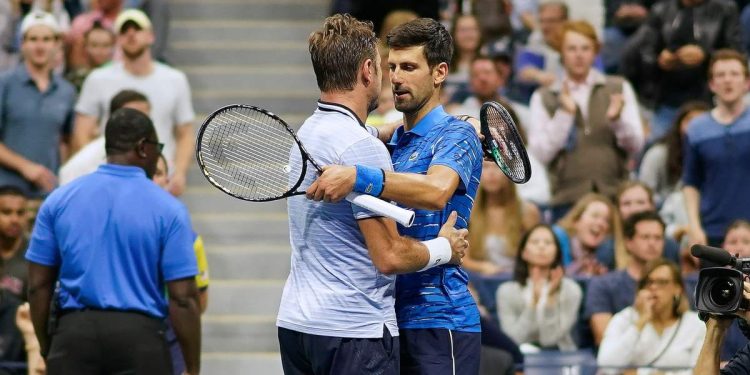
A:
(501, 130)
(247, 152)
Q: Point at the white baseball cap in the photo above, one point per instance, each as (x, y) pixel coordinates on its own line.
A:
(132, 15)
(36, 18)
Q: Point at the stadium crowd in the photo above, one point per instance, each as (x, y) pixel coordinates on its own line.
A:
(634, 113)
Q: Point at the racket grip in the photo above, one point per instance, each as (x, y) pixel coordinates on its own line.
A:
(401, 215)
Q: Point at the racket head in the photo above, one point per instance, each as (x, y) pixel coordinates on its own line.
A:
(244, 151)
(503, 144)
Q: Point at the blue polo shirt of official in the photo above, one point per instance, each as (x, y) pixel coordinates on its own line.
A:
(438, 297)
(117, 238)
(32, 122)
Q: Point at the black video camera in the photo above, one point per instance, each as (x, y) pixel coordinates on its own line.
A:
(719, 290)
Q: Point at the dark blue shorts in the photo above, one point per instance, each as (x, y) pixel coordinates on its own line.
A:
(302, 353)
(439, 351)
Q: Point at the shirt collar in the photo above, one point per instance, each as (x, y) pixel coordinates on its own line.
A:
(23, 73)
(425, 124)
(340, 108)
(594, 78)
(122, 170)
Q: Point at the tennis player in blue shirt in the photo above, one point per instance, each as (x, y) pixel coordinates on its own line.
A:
(437, 163)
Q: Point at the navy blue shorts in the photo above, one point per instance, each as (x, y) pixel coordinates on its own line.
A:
(439, 351)
(302, 353)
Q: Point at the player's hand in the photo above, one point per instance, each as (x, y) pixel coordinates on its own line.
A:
(457, 238)
(333, 185)
(40, 176)
(690, 55)
(616, 102)
(177, 184)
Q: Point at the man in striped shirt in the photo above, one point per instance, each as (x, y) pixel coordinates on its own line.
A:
(438, 162)
(337, 309)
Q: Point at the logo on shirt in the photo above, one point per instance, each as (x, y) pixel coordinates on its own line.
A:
(414, 156)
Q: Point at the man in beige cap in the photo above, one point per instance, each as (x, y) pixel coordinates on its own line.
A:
(36, 109)
(167, 90)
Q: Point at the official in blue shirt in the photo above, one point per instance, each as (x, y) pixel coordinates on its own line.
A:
(114, 240)
(438, 162)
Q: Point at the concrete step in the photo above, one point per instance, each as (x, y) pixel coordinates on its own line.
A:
(239, 333)
(248, 297)
(241, 363)
(260, 10)
(242, 227)
(227, 31)
(265, 261)
(249, 53)
(257, 78)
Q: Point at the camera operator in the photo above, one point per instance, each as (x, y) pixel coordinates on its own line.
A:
(716, 329)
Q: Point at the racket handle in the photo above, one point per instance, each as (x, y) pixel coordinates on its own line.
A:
(401, 215)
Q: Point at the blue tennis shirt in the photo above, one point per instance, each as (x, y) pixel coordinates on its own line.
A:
(117, 238)
(438, 297)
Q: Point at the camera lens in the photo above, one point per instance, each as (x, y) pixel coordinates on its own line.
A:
(723, 291)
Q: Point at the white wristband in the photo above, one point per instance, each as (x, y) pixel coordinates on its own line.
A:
(440, 252)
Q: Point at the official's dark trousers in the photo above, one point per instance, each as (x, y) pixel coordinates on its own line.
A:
(97, 342)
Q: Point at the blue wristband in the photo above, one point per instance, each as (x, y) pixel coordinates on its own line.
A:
(369, 180)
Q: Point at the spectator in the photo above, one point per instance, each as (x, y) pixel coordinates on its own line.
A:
(632, 197)
(680, 35)
(716, 172)
(8, 56)
(140, 238)
(13, 241)
(661, 167)
(540, 306)
(157, 11)
(500, 353)
(99, 46)
(11, 339)
(161, 178)
(584, 126)
(658, 330)
(467, 42)
(538, 64)
(498, 219)
(622, 18)
(582, 230)
(31, 137)
(105, 12)
(485, 84)
(610, 293)
(166, 88)
(89, 158)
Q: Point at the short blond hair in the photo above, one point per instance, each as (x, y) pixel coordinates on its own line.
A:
(581, 27)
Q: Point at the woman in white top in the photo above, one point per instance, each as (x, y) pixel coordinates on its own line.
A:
(658, 331)
(540, 306)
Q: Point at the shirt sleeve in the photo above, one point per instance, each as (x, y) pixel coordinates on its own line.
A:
(619, 341)
(692, 169)
(596, 298)
(517, 318)
(739, 364)
(90, 100)
(458, 149)
(184, 112)
(368, 152)
(547, 135)
(43, 247)
(202, 279)
(178, 256)
(558, 319)
(629, 128)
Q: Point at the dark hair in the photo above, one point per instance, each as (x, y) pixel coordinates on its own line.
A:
(12, 191)
(630, 224)
(338, 50)
(98, 26)
(679, 305)
(124, 97)
(125, 128)
(426, 32)
(521, 270)
(674, 140)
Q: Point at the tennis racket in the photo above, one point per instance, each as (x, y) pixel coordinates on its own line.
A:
(244, 152)
(503, 144)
